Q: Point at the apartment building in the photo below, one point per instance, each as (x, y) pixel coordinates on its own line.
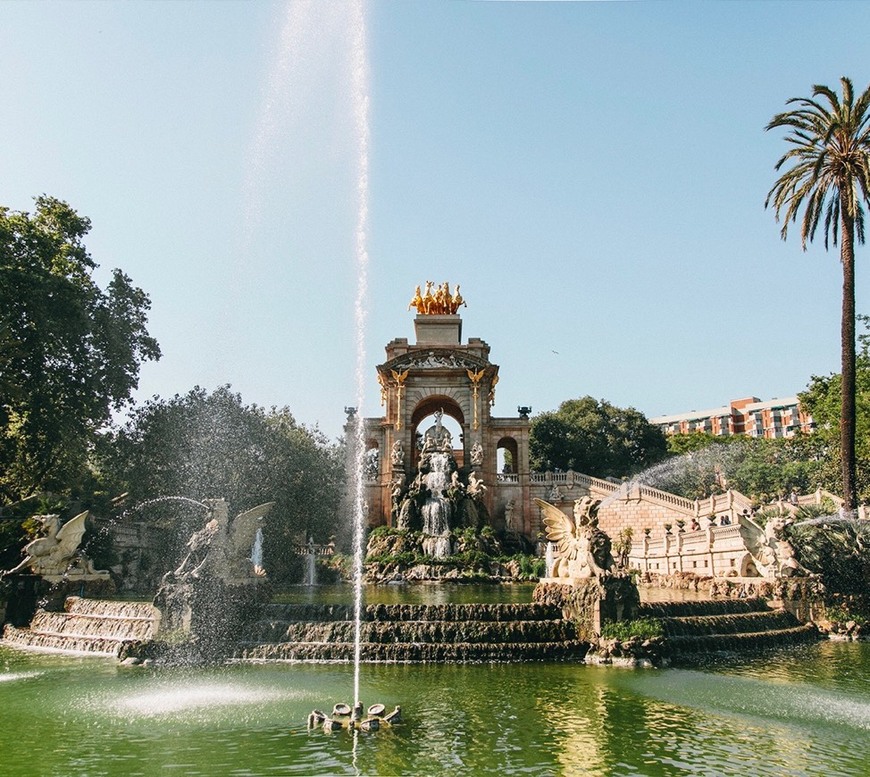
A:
(750, 416)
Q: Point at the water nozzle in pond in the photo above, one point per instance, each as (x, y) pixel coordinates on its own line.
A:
(355, 719)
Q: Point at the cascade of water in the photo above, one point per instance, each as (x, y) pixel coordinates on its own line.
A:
(257, 550)
(437, 510)
(438, 507)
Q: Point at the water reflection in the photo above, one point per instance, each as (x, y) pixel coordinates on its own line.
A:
(797, 712)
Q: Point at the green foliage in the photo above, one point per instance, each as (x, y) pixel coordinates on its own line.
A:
(595, 438)
(822, 399)
(843, 613)
(678, 444)
(531, 567)
(644, 628)
(203, 445)
(387, 531)
(622, 546)
(763, 469)
(838, 551)
(69, 352)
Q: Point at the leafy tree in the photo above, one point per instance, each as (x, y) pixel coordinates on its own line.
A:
(768, 469)
(678, 444)
(69, 352)
(595, 438)
(761, 468)
(830, 178)
(822, 400)
(203, 445)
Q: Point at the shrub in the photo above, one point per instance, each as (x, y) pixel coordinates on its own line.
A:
(644, 628)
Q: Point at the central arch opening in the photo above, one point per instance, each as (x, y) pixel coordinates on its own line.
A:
(453, 419)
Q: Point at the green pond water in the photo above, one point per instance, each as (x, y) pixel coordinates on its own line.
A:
(801, 711)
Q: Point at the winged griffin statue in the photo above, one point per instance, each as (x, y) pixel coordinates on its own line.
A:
(57, 552)
(582, 549)
(222, 548)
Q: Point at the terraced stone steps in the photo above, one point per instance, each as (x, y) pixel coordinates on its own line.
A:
(698, 627)
(702, 607)
(93, 626)
(414, 633)
(709, 643)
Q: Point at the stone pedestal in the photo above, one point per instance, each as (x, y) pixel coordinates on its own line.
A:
(590, 602)
(206, 618)
(29, 592)
(438, 330)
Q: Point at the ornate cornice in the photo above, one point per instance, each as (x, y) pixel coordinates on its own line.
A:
(435, 359)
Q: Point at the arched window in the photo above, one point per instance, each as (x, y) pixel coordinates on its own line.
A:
(507, 454)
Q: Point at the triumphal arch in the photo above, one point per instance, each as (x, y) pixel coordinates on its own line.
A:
(423, 383)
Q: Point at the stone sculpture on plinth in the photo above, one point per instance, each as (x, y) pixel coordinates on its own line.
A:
(205, 603)
(582, 550)
(772, 554)
(56, 555)
(584, 579)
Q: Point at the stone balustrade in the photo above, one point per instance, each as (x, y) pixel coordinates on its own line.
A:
(716, 551)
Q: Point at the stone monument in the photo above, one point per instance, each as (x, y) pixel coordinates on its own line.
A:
(216, 589)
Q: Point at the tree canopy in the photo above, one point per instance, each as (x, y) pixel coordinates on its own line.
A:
(822, 400)
(595, 438)
(70, 352)
(210, 445)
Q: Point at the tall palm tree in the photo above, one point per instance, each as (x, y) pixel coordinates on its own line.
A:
(830, 180)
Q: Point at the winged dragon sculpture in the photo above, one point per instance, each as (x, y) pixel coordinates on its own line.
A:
(772, 554)
(582, 549)
(222, 548)
(57, 552)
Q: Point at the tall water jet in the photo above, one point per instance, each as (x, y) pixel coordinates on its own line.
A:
(360, 97)
(310, 564)
(317, 44)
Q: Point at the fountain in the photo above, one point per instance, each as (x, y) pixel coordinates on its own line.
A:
(206, 603)
(534, 716)
(198, 612)
(310, 564)
(53, 568)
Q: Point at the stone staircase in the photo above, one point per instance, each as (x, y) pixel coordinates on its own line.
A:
(710, 626)
(414, 633)
(94, 626)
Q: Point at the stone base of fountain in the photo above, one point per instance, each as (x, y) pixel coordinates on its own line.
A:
(699, 628)
(589, 602)
(94, 626)
(27, 593)
(414, 633)
(343, 717)
(202, 620)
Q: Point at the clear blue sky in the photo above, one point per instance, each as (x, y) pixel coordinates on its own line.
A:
(593, 174)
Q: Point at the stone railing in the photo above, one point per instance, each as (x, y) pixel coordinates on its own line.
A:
(731, 503)
(571, 478)
(679, 503)
(715, 551)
